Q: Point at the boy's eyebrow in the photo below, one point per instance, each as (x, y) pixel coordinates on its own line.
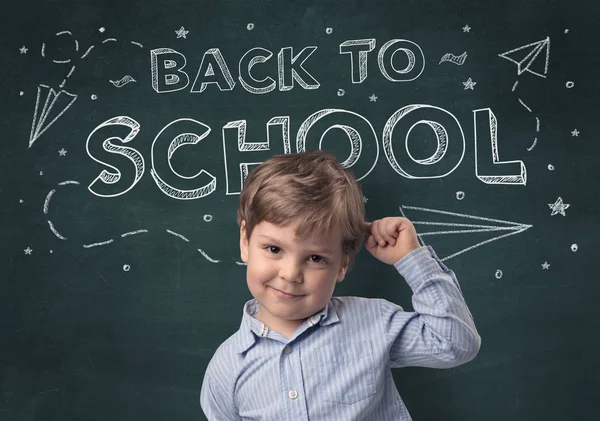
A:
(274, 240)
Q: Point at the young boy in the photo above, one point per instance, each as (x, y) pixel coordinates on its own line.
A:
(301, 354)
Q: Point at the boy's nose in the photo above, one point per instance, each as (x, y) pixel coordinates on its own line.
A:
(290, 271)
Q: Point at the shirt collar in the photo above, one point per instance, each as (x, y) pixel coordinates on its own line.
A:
(251, 328)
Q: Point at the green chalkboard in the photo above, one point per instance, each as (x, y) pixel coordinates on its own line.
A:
(128, 129)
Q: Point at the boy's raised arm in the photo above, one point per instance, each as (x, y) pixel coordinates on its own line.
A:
(440, 333)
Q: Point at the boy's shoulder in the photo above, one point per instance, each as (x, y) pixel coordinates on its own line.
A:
(227, 358)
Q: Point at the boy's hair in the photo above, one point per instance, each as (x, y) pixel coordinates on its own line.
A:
(311, 189)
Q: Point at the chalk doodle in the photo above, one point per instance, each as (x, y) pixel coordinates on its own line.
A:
(570, 84)
(460, 195)
(488, 225)
(28, 250)
(123, 81)
(527, 64)
(329, 31)
(498, 274)
(51, 103)
(451, 58)
(46, 206)
(250, 26)
(574, 247)
(532, 145)
(23, 50)
(62, 152)
(466, 28)
(575, 133)
(545, 265)
(373, 98)
(558, 207)
(469, 84)
(182, 33)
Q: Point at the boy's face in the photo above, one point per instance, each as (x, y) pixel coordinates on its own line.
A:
(291, 279)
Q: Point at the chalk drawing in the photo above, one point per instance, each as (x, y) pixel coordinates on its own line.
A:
(545, 265)
(574, 247)
(466, 28)
(126, 268)
(123, 81)
(127, 234)
(28, 250)
(525, 64)
(57, 102)
(575, 133)
(533, 145)
(23, 50)
(498, 274)
(524, 105)
(469, 84)
(207, 257)
(492, 225)
(102, 243)
(329, 31)
(250, 26)
(551, 167)
(182, 33)
(365, 199)
(341, 92)
(62, 152)
(460, 195)
(454, 59)
(558, 207)
(570, 84)
(178, 235)
(373, 98)
(208, 218)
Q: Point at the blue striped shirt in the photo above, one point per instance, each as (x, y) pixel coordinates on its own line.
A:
(337, 365)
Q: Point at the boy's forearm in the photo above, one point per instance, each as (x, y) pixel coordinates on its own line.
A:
(441, 314)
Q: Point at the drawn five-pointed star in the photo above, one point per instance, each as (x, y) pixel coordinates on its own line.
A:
(373, 98)
(28, 250)
(558, 207)
(575, 133)
(62, 152)
(466, 28)
(23, 50)
(469, 84)
(181, 33)
(546, 265)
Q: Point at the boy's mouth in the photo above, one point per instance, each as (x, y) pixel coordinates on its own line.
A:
(285, 295)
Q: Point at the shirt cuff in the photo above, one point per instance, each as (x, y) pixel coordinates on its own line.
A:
(418, 265)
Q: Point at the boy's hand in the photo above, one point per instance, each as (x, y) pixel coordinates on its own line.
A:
(390, 239)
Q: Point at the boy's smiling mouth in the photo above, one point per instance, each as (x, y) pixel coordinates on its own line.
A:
(284, 295)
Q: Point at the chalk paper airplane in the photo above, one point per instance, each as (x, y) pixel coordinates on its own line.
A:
(526, 57)
(454, 228)
(55, 105)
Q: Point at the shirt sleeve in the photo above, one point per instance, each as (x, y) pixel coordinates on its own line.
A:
(215, 403)
(440, 332)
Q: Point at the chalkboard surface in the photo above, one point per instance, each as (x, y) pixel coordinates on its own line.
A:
(128, 129)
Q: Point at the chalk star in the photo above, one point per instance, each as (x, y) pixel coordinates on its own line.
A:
(62, 152)
(23, 50)
(181, 33)
(469, 84)
(373, 98)
(546, 265)
(466, 28)
(558, 207)
(575, 133)
(28, 250)
(365, 199)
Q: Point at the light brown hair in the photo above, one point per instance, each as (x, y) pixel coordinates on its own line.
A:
(311, 189)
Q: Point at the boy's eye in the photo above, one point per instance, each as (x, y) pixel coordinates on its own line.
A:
(317, 259)
(273, 249)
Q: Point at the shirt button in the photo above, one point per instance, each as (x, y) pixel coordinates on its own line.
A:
(293, 394)
(287, 349)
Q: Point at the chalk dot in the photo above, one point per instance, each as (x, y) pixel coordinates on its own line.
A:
(126, 268)
(207, 218)
(498, 274)
(570, 84)
(20, 200)
(51, 251)
(329, 31)
(250, 26)
(94, 97)
(566, 31)
(21, 93)
(102, 29)
(574, 247)
(341, 92)
(460, 195)
(41, 172)
(551, 167)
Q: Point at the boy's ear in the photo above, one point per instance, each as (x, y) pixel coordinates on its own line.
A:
(243, 242)
(343, 269)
